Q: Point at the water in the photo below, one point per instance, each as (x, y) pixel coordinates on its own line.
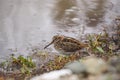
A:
(24, 23)
(30, 24)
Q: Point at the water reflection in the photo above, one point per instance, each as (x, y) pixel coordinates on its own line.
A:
(95, 15)
(61, 6)
(69, 12)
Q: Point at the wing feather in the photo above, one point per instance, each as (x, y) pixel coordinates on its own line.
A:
(69, 47)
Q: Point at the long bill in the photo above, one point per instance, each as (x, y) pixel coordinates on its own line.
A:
(48, 44)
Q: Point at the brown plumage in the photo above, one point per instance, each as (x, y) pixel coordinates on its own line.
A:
(66, 44)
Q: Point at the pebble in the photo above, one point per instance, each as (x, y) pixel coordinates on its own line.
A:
(95, 65)
(53, 75)
(115, 63)
(76, 67)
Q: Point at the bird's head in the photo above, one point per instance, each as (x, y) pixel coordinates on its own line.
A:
(55, 39)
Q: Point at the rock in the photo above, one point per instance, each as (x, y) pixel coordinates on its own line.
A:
(104, 77)
(76, 67)
(95, 65)
(53, 75)
(115, 63)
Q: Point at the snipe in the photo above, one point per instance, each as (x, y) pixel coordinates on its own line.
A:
(66, 45)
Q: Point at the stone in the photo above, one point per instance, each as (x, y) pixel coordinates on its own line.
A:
(76, 67)
(53, 75)
(95, 65)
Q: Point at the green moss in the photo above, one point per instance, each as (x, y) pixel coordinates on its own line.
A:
(100, 43)
(23, 64)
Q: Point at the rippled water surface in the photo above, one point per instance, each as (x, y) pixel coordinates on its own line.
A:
(30, 24)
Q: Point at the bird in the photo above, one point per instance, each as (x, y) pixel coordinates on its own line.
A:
(66, 45)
